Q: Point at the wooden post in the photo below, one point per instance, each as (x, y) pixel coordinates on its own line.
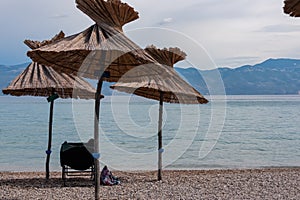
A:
(160, 150)
(96, 139)
(48, 151)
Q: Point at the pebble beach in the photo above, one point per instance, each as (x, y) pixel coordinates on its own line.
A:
(273, 183)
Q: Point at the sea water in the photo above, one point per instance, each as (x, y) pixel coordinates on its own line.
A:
(228, 132)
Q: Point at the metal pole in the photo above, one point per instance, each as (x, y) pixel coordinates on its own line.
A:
(160, 150)
(96, 139)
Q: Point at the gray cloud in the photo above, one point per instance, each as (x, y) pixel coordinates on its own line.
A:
(280, 28)
(166, 21)
(217, 10)
(60, 16)
(234, 32)
(237, 61)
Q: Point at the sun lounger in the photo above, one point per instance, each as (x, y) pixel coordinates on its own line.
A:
(76, 160)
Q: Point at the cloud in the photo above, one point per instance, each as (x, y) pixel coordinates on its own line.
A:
(218, 10)
(237, 61)
(166, 21)
(231, 31)
(280, 28)
(59, 16)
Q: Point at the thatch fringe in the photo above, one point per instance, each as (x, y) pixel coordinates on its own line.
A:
(37, 44)
(166, 56)
(149, 80)
(111, 12)
(39, 80)
(292, 8)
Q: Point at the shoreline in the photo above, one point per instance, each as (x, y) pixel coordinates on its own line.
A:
(257, 183)
(166, 169)
(221, 168)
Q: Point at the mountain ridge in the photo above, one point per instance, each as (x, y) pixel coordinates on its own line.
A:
(270, 77)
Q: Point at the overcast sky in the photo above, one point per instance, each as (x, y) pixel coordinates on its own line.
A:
(229, 32)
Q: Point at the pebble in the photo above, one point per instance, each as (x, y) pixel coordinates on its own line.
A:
(276, 183)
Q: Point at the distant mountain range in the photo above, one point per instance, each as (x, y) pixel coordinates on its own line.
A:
(271, 77)
(8, 73)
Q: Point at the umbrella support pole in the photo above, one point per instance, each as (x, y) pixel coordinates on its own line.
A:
(160, 150)
(48, 151)
(96, 139)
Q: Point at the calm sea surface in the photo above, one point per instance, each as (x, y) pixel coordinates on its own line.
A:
(236, 132)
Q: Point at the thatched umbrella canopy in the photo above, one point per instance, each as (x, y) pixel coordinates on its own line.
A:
(292, 8)
(162, 84)
(101, 47)
(150, 80)
(101, 52)
(39, 80)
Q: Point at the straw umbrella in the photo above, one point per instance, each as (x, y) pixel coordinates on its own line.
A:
(100, 52)
(292, 8)
(101, 47)
(39, 80)
(162, 84)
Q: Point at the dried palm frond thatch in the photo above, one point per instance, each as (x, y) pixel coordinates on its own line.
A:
(112, 13)
(150, 80)
(166, 56)
(37, 44)
(101, 47)
(39, 80)
(292, 8)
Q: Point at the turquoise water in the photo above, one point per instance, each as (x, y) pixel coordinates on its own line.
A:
(236, 132)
